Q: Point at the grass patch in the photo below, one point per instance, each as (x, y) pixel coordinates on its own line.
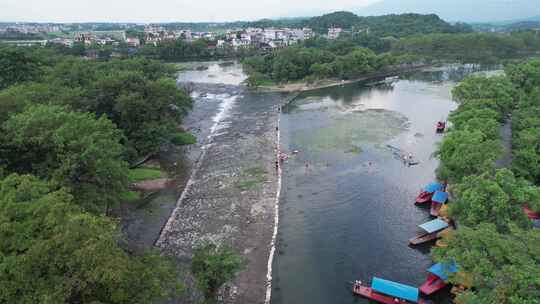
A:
(130, 196)
(251, 178)
(144, 173)
(183, 138)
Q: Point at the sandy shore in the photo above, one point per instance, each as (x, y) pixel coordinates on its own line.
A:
(231, 195)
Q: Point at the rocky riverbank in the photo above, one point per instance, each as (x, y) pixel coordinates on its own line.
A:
(231, 195)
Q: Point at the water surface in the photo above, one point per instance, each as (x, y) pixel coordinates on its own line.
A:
(347, 203)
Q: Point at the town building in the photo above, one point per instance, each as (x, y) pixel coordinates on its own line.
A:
(334, 32)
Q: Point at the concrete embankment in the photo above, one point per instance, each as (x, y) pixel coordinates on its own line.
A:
(230, 197)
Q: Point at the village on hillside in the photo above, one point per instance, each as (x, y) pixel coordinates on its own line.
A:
(250, 37)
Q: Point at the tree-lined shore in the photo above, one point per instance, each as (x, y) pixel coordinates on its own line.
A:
(496, 245)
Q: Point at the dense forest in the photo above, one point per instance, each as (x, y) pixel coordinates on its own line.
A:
(387, 25)
(69, 128)
(319, 58)
(297, 63)
(495, 246)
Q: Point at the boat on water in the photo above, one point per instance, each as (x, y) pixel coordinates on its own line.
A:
(441, 125)
(439, 198)
(437, 277)
(427, 193)
(388, 292)
(430, 231)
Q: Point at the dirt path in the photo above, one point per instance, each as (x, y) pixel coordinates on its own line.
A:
(231, 195)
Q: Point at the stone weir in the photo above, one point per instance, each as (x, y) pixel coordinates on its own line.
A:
(231, 195)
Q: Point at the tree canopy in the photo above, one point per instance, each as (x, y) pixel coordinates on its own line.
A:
(504, 266)
(296, 63)
(496, 199)
(495, 243)
(69, 149)
(53, 252)
(213, 266)
(138, 95)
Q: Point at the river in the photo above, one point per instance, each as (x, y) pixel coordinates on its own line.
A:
(347, 207)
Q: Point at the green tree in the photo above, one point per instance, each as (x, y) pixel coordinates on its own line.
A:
(18, 66)
(69, 149)
(52, 252)
(214, 266)
(17, 97)
(465, 152)
(504, 267)
(498, 199)
(498, 89)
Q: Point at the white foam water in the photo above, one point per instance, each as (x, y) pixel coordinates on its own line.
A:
(276, 224)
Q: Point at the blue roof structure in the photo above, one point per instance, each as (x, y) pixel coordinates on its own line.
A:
(443, 270)
(434, 225)
(537, 223)
(432, 187)
(394, 289)
(440, 197)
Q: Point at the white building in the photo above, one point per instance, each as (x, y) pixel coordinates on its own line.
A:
(133, 41)
(334, 32)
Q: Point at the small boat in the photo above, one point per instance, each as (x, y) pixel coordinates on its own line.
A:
(438, 199)
(441, 125)
(388, 292)
(533, 216)
(437, 277)
(427, 192)
(429, 231)
(530, 213)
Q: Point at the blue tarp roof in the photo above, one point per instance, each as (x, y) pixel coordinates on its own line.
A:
(432, 187)
(537, 223)
(434, 225)
(443, 270)
(440, 197)
(394, 289)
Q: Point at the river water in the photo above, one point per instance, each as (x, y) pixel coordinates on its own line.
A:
(347, 207)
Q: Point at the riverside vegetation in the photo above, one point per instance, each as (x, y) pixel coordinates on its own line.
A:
(375, 44)
(495, 244)
(69, 129)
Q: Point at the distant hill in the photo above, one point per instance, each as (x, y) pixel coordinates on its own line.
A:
(387, 25)
(509, 25)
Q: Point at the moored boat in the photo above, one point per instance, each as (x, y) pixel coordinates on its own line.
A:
(427, 193)
(438, 199)
(430, 231)
(441, 125)
(388, 292)
(437, 278)
(530, 213)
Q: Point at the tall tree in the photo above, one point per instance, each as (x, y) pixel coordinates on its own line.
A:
(52, 252)
(69, 149)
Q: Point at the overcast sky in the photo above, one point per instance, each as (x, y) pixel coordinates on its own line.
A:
(231, 10)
